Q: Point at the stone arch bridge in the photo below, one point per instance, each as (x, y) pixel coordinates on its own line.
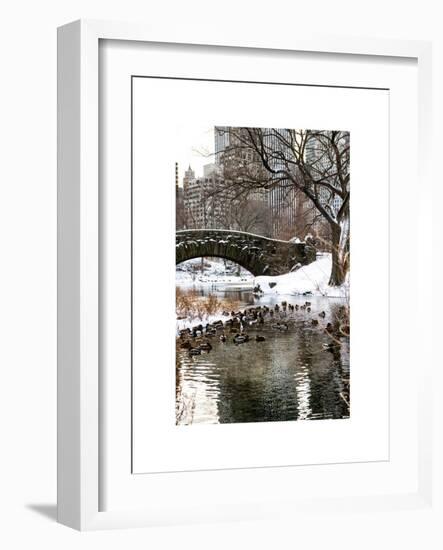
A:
(259, 255)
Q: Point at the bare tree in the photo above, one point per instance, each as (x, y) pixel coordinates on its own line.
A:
(243, 214)
(314, 163)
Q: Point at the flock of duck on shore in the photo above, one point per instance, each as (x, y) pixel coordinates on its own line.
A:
(280, 316)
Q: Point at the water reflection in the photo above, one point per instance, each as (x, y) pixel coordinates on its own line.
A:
(289, 376)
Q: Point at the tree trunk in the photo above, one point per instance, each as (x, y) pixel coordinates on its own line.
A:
(343, 248)
(338, 272)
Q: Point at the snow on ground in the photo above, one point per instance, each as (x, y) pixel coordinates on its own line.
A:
(189, 272)
(311, 278)
(182, 277)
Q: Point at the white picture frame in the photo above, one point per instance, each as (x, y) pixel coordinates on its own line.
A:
(79, 368)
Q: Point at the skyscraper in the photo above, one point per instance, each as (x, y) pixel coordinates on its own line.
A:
(202, 209)
(232, 155)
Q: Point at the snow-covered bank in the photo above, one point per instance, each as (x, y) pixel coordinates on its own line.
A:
(312, 278)
(215, 273)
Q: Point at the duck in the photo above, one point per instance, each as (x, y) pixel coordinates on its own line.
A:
(308, 309)
(206, 346)
(195, 351)
(240, 339)
(314, 322)
(322, 314)
(186, 345)
(332, 346)
(259, 338)
(222, 338)
(280, 326)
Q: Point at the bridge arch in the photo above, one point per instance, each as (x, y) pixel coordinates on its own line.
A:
(259, 255)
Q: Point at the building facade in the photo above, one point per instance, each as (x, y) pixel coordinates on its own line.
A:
(202, 209)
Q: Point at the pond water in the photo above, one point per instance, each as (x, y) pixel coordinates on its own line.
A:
(289, 376)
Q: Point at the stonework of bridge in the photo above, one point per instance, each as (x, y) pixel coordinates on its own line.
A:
(259, 255)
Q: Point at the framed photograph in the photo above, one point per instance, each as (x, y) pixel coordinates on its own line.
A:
(238, 333)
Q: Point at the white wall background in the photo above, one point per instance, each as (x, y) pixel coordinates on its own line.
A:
(28, 262)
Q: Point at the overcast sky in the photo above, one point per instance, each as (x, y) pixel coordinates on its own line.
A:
(195, 147)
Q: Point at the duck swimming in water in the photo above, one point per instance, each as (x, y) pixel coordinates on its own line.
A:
(195, 351)
(206, 346)
(259, 338)
(332, 346)
(280, 326)
(240, 338)
(222, 338)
